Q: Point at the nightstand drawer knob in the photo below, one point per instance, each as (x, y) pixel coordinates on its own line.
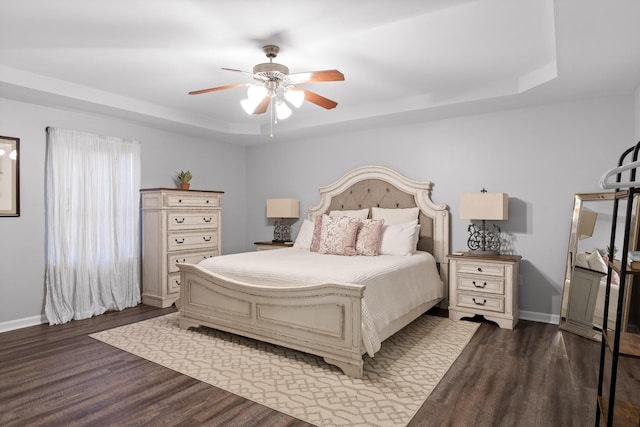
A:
(179, 221)
(479, 269)
(484, 285)
(479, 303)
(206, 219)
(179, 241)
(206, 239)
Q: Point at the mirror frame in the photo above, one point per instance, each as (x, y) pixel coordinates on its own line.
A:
(579, 200)
(13, 166)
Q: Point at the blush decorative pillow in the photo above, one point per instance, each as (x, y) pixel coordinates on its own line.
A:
(305, 235)
(369, 237)
(338, 235)
(400, 239)
(315, 238)
(359, 213)
(395, 216)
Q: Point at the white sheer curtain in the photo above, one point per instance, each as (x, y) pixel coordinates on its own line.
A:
(92, 217)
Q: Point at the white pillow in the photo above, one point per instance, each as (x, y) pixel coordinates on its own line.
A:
(395, 216)
(303, 240)
(581, 260)
(360, 213)
(596, 262)
(400, 239)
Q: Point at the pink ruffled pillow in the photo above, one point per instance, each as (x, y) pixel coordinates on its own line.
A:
(338, 235)
(369, 237)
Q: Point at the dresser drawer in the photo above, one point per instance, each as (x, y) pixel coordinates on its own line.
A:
(192, 240)
(180, 220)
(481, 301)
(480, 268)
(188, 258)
(481, 284)
(192, 200)
(173, 283)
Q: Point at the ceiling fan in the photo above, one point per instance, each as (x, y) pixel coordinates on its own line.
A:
(276, 87)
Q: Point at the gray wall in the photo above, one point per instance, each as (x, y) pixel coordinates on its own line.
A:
(22, 240)
(540, 156)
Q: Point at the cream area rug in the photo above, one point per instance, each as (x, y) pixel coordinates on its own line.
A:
(395, 384)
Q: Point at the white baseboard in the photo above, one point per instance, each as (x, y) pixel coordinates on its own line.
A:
(540, 317)
(22, 323)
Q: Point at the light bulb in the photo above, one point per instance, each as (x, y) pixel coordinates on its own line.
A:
(282, 110)
(257, 93)
(295, 97)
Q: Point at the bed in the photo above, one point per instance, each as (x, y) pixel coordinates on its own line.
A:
(333, 311)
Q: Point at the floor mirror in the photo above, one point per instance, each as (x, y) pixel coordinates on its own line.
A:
(583, 294)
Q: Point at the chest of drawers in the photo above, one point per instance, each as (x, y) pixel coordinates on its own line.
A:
(486, 286)
(177, 227)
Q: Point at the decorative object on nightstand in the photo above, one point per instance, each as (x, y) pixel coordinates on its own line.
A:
(183, 179)
(484, 285)
(282, 210)
(484, 206)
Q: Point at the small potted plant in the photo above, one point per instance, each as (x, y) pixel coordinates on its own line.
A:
(184, 178)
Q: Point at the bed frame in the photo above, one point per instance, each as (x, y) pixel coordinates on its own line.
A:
(324, 320)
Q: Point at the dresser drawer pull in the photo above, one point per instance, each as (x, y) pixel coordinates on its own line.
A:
(207, 219)
(479, 303)
(207, 256)
(179, 241)
(183, 260)
(480, 269)
(207, 201)
(179, 200)
(177, 282)
(484, 285)
(179, 221)
(206, 239)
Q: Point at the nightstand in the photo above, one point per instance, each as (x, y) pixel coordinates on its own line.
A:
(486, 286)
(266, 246)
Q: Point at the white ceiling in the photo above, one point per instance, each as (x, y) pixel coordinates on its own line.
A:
(403, 60)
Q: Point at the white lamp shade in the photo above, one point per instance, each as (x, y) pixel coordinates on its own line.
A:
(491, 206)
(282, 111)
(295, 97)
(282, 208)
(587, 224)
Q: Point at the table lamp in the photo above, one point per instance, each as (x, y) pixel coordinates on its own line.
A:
(282, 210)
(484, 206)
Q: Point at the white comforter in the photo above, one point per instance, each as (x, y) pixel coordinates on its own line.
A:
(394, 284)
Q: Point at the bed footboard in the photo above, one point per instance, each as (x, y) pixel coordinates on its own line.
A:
(324, 320)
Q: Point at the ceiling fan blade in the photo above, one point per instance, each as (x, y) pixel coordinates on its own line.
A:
(264, 104)
(213, 89)
(318, 100)
(316, 76)
(237, 71)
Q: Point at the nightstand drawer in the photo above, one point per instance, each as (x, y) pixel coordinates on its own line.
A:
(193, 240)
(485, 269)
(481, 284)
(481, 302)
(188, 258)
(181, 220)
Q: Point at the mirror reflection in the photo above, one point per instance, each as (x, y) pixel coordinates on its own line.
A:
(587, 256)
(9, 175)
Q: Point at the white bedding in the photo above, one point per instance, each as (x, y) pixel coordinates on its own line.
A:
(394, 284)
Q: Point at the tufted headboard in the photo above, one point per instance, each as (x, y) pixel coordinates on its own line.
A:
(376, 186)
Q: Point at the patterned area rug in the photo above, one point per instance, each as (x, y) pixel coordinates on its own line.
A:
(395, 384)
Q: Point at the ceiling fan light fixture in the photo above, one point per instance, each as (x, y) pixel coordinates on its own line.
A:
(249, 105)
(295, 97)
(282, 110)
(256, 92)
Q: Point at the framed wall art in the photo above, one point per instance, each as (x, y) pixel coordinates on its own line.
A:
(9, 176)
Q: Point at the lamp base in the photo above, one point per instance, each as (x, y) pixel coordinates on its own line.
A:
(281, 231)
(484, 240)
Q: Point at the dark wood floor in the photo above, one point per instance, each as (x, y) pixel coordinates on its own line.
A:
(534, 375)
